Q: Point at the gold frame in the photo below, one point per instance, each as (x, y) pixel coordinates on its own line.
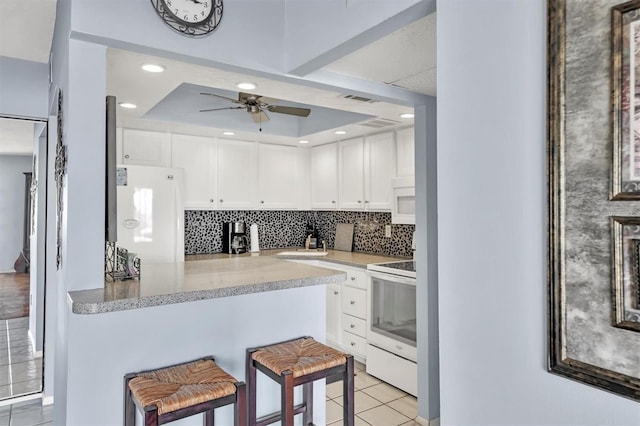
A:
(620, 265)
(558, 361)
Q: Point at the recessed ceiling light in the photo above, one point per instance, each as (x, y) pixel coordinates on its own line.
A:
(153, 68)
(246, 86)
(127, 105)
(228, 133)
(406, 115)
(303, 141)
(340, 132)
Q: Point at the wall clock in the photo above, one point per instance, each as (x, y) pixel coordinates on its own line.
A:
(193, 18)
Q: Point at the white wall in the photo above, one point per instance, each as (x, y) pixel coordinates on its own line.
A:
(24, 86)
(492, 230)
(12, 183)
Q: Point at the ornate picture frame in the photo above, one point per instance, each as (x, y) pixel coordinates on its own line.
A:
(586, 340)
(626, 272)
(625, 111)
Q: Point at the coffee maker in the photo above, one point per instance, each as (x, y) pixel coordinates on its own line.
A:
(234, 237)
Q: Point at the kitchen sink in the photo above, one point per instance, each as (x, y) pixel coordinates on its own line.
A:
(302, 252)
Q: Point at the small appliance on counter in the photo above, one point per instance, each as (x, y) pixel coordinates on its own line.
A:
(234, 237)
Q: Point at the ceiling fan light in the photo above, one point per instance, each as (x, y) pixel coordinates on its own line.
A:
(407, 115)
(153, 68)
(245, 85)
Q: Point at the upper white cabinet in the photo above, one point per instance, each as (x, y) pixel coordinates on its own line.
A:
(405, 159)
(351, 174)
(324, 176)
(277, 176)
(198, 157)
(146, 148)
(365, 172)
(378, 171)
(237, 174)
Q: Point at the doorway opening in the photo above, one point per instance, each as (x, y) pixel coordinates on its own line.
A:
(23, 201)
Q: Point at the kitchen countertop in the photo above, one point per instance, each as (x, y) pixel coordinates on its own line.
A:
(168, 283)
(348, 258)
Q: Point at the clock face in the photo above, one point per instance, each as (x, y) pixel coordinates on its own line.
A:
(190, 17)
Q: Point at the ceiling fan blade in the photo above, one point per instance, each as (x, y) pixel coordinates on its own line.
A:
(259, 117)
(300, 112)
(220, 109)
(235, 101)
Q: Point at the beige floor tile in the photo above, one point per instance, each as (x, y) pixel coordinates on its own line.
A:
(383, 416)
(358, 366)
(363, 380)
(334, 389)
(363, 401)
(384, 392)
(358, 422)
(333, 412)
(411, 423)
(407, 405)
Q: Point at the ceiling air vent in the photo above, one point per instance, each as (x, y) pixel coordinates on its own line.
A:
(359, 99)
(378, 123)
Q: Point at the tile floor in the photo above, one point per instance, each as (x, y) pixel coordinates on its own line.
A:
(20, 370)
(28, 413)
(377, 403)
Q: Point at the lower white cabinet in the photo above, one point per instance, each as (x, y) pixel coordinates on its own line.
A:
(334, 314)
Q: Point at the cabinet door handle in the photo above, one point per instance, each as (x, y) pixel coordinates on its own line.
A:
(353, 302)
(262, 202)
(352, 326)
(126, 156)
(353, 343)
(359, 201)
(335, 292)
(333, 201)
(211, 200)
(367, 201)
(221, 200)
(353, 278)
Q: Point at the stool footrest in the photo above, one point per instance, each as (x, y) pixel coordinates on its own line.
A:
(276, 416)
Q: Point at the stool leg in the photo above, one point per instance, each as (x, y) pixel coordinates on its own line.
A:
(240, 413)
(251, 388)
(287, 398)
(129, 405)
(307, 398)
(209, 417)
(151, 416)
(348, 402)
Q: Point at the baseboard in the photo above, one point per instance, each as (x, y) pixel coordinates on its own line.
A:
(424, 422)
(47, 400)
(17, 399)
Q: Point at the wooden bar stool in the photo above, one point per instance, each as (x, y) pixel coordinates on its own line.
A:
(183, 390)
(299, 362)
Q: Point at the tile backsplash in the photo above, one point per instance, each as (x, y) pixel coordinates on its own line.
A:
(203, 229)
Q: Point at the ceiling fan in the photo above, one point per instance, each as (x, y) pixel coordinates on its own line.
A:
(257, 106)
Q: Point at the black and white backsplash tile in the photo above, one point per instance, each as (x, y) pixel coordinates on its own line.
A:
(203, 229)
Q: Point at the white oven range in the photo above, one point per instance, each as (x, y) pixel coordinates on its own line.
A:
(391, 327)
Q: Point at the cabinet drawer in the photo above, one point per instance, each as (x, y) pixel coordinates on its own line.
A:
(357, 278)
(354, 302)
(354, 325)
(354, 344)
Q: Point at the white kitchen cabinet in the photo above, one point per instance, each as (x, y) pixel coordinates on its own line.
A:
(145, 148)
(405, 152)
(351, 174)
(277, 176)
(197, 155)
(237, 174)
(324, 176)
(365, 171)
(334, 314)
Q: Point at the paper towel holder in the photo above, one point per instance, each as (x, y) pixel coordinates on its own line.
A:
(255, 245)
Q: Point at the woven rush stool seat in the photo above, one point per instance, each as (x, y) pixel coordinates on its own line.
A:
(299, 362)
(171, 393)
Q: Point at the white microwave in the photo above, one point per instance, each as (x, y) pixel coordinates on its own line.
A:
(404, 200)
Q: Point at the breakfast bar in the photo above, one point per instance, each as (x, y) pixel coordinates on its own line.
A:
(183, 311)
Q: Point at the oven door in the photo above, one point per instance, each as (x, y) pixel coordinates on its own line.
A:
(392, 314)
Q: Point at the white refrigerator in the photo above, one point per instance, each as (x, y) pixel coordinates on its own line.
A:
(150, 215)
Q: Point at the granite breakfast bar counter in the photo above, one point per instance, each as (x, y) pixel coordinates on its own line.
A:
(180, 312)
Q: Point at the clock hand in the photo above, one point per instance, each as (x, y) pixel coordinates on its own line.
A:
(196, 1)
